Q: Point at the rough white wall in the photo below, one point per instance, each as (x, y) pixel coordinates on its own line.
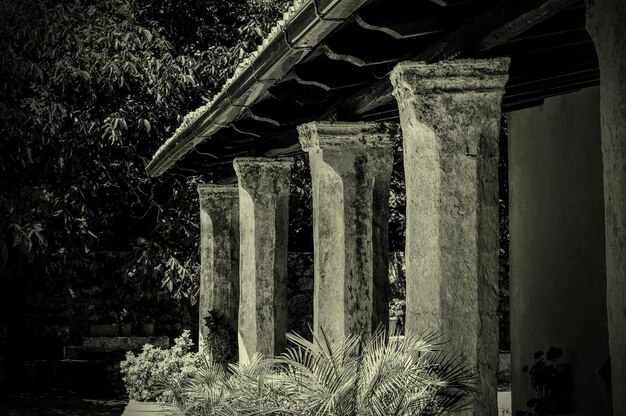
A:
(557, 253)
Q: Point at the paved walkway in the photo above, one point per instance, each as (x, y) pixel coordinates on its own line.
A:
(504, 403)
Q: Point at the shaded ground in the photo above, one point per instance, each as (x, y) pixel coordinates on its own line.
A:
(67, 405)
(59, 404)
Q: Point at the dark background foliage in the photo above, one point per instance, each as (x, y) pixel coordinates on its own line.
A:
(89, 91)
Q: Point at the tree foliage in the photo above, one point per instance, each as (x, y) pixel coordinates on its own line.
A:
(89, 91)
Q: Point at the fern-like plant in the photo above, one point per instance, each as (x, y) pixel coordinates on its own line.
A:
(204, 393)
(375, 377)
(410, 376)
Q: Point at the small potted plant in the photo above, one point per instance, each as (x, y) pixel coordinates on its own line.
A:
(144, 318)
(102, 324)
(125, 327)
(146, 328)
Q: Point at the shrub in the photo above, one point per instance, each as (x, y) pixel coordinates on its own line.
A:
(146, 373)
(377, 377)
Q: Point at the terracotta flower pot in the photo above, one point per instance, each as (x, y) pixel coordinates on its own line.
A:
(135, 408)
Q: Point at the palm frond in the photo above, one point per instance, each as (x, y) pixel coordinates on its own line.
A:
(373, 376)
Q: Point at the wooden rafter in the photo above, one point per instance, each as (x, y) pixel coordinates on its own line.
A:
(502, 21)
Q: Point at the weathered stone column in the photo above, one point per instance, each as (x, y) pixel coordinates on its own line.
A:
(351, 167)
(219, 253)
(264, 225)
(605, 23)
(450, 118)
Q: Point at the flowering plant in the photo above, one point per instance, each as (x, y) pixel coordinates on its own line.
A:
(397, 307)
(146, 373)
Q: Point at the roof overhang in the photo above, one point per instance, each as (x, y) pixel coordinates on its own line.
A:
(303, 27)
(330, 59)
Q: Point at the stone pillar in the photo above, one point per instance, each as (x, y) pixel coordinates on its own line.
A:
(557, 255)
(450, 118)
(351, 166)
(219, 253)
(605, 23)
(263, 225)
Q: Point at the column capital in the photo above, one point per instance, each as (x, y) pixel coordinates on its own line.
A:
(262, 163)
(257, 173)
(211, 192)
(318, 136)
(459, 100)
(460, 75)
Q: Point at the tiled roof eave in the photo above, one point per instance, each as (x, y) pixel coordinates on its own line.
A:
(302, 28)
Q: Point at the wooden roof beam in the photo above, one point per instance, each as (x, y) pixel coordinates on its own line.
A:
(406, 28)
(524, 21)
(505, 19)
(529, 100)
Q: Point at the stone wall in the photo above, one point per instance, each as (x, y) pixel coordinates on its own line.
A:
(300, 293)
(300, 289)
(504, 368)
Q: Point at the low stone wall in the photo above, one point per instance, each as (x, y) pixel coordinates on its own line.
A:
(112, 344)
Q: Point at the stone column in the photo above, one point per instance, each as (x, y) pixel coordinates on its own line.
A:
(264, 225)
(450, 118)
(219, 253)
(351, 167)
(605, 23)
